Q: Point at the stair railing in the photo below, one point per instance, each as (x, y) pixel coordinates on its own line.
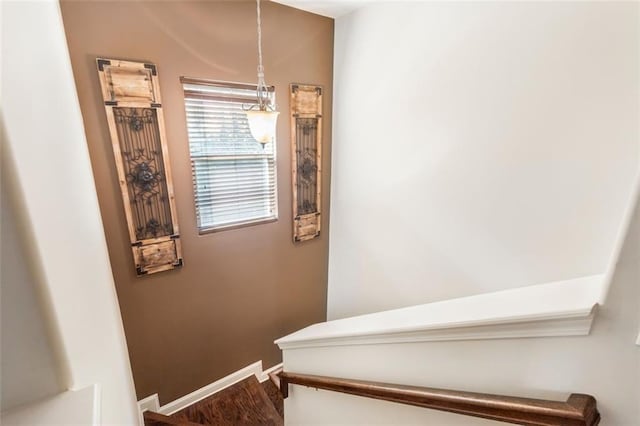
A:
(577, 410)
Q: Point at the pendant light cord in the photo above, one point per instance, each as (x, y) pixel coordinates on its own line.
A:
(262, 86)
(260, 68)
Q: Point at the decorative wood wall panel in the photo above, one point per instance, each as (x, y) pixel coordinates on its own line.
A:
(306, 157)
(131, 95)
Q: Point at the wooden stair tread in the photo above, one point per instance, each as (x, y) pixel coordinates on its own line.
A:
(242, 404)
(157, 419)
(273, 392)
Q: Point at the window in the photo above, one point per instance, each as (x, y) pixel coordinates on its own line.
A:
(234, 177)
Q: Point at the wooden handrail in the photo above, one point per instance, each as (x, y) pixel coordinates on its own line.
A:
(578, 410)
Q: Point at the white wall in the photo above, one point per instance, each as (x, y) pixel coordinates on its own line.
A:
(478, 146)
(28, 369)
(605, 364)
(45, 144)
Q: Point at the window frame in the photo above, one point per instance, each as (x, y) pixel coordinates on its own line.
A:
(203, 230)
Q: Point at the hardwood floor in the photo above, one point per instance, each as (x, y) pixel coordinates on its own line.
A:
(244, 404)
(274, 395)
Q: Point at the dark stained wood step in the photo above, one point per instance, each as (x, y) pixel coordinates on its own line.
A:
(243, 404)
(273, 392)
(156, 419)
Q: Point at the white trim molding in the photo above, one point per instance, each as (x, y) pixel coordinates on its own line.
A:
(210, 389)
(264, 376)
(554, 327)
(562, 308)
(97, 404)
(152, 402)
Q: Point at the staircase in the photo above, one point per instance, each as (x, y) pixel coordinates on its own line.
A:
(245, 403)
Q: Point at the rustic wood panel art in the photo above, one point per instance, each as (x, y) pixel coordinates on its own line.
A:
(306, 157)
(131, 96)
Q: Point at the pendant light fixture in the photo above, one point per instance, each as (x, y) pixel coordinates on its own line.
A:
(262, 117)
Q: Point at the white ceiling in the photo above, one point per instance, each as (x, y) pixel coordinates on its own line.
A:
(330, 8)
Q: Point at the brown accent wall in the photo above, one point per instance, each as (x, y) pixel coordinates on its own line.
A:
(239, 289)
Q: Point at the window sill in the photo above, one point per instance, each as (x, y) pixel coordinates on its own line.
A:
(236, 226)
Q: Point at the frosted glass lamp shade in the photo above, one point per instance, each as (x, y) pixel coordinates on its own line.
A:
(263, 125)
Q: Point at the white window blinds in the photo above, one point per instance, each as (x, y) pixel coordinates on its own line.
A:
(234, 177)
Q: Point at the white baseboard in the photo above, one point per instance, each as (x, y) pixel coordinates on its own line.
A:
(152, 402)
(210, 389)
(264, 376)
